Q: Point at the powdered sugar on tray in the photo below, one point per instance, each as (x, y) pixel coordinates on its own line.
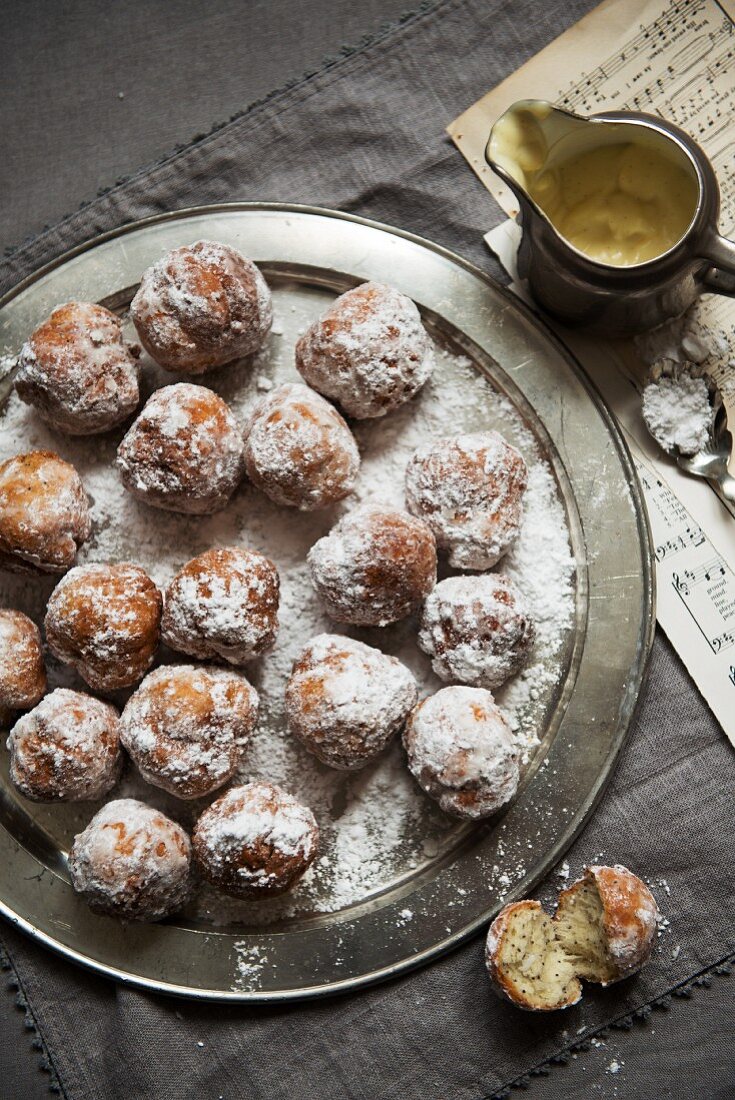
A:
(376, 826)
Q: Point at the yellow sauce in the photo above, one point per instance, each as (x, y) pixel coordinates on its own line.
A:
(518, 142)
(619, 204)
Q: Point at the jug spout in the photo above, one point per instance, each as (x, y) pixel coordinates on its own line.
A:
(521, 139)
(618, 213)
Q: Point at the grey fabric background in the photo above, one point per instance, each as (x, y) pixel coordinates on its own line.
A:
(365, 135)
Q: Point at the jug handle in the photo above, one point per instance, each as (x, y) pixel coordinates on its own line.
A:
(720, 278)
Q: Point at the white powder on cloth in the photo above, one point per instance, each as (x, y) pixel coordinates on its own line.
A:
(687, 338)
(376, 826)
(677, 411)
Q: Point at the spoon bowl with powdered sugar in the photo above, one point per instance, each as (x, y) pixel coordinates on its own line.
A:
(685, 413)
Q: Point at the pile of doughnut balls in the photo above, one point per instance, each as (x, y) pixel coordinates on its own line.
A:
(186, 726)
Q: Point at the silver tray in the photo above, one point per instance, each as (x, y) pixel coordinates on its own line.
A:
(461, 883)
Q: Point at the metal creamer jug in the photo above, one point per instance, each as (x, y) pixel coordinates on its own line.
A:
(618, 212)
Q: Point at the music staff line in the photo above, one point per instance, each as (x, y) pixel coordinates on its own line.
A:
(641, 41)
(591, 82)
(719, 642)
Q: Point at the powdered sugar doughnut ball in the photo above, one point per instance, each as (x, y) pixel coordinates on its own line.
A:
(369, 352)
(469, 489)
(477, 630)
(375, 567)
(184, 452)
(345, 700)
(255, 841)
(298, 449)
(22, 671)
(78, 372)
(44, 513)
(200, 306)
(186, 727)
(104, 620)
(461, 750)
(131, 862)
(223, 603)
(67, 749)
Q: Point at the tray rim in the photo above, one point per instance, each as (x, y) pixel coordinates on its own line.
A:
(629, 706)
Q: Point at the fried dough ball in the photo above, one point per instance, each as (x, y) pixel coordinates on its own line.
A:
(104, 620)
(462, 752)
(603, 930)
(201, 306)
(526, 963)
(78, 372)
(22, 671)
(607, 921)
(67, 749)
(131, 862)
(369, 352)
(345, 700)
(477, 630)
(255, 841)
(375, 567)
(469, 489)
(186, 727)
(223, 603)
(184, 452)
(298, 449)
(44, 513)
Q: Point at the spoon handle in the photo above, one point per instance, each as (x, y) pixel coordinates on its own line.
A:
(724, 485)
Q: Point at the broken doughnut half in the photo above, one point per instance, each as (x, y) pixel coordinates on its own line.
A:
(603, 930)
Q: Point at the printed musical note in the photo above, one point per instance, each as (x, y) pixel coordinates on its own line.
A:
(710, 570)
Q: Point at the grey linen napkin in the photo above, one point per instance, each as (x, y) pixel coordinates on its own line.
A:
(366, 135)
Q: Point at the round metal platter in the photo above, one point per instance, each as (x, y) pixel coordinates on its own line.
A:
(313, 254)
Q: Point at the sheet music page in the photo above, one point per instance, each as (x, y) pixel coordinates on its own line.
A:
(675, 58)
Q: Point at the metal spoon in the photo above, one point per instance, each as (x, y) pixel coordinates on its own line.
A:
(711, 461)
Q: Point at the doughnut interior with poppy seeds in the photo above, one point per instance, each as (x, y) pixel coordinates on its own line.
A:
(201, 306)
(131, 862)
(603, 930)
(105, 621)
(44, 513)
(78, 372)
(369, 352)
(184, 451)
(374, 567)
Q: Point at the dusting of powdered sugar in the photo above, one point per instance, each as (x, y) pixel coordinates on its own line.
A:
(476, 629)
(176, 310)
(684, 339)
(462, 751)
(678, 412)
(369, 353)
(376, 826)
(345, 699)
(254, 818)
